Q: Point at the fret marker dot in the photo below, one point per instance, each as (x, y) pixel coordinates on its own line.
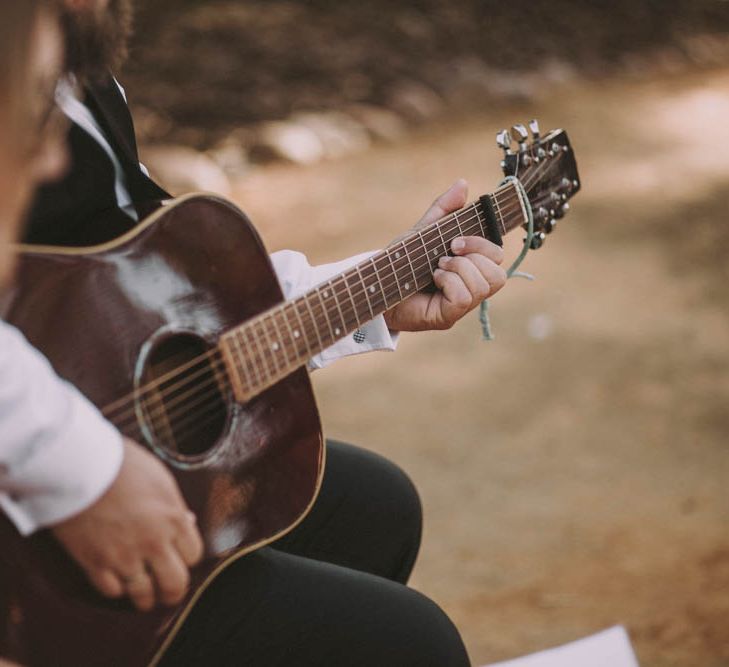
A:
(435, 252)
(337, 331)
(296, 333)
(407, 285)
(397, 255)
(372, 289)
(274, 347)
(325, 293)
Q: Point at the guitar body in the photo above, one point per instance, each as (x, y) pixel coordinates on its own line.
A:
(110, 318)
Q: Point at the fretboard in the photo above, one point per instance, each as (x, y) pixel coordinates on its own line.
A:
(270, 346)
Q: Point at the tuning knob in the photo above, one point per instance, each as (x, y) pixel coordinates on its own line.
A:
(522, 135)
(537, 240)
(534, 127)
(550, 226)
(504, 140)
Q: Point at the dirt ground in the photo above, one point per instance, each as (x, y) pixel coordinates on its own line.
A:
(574, 472)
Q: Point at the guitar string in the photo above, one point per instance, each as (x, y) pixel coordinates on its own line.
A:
(262, 359)
(430, 229)
(345, 304)
(259, 359)
(110, 408)
(218, 364)
(165, 408)
(386, 294)
(194, 424)
(219, 411)
(195, 419)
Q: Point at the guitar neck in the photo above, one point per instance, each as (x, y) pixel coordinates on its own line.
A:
(270, 346)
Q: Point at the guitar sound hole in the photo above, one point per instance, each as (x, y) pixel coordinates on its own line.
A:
(184, 405)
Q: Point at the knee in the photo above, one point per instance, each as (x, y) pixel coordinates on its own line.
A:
(438, 641)
(404, 501)
(388, 493)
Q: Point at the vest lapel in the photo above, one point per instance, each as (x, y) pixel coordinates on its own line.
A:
(112, 113)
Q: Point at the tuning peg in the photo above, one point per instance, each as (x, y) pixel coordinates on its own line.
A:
(534, 127)
(537, 240)
(504, 140)
(522, 135)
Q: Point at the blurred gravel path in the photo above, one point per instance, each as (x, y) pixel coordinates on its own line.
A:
(578, 478)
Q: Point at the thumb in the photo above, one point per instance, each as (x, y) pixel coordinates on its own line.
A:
(451, 200)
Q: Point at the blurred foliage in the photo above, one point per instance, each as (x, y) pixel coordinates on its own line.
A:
(208, 63)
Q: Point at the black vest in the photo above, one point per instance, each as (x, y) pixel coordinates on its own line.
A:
(81, 209)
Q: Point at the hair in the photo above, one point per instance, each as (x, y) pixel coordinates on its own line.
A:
(18, 20)
(97, 42)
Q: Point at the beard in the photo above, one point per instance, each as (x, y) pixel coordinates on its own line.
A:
(97, 39)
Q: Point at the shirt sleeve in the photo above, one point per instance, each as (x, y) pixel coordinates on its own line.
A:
(57, 453)
(297, 276)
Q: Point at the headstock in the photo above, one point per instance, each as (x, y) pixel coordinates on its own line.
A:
(546, 167)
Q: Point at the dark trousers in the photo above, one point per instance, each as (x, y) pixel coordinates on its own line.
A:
(332, 591)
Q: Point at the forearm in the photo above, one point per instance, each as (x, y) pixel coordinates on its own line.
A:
(297, 276)
(57, 453)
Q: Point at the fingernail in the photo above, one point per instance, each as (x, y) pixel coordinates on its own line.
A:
(443, 262)
(458, 244)
(190, 516)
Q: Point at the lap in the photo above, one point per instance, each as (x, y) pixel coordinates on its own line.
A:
(273, 608)
(330, 592)
(367, 516)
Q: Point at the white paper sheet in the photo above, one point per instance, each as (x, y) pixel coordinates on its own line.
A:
(609, 648)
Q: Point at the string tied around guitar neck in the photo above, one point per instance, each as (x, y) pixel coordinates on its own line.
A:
(513, 270)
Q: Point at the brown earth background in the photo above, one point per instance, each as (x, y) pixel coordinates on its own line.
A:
(574, 471)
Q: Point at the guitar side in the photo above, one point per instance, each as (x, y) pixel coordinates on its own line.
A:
(196, 267)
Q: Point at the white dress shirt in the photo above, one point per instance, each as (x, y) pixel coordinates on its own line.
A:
(57, 453)
(294, 272)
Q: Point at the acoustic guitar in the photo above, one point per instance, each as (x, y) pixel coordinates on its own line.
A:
(179, 332)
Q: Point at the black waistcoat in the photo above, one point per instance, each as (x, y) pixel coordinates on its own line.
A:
(81, 209)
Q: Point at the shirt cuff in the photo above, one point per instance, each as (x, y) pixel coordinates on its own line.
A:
(58, 454)
(296, 277)
(69, 474)
(373, 335)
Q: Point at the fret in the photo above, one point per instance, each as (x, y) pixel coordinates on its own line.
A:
(326, 314)
(255, 360)
(366, 290)
(408, 288)
(264, 362)
(394, 273)
(379, 282)
(294, 338)
(240, 358)
(426, 252)
(499, 214)
(273, 345)
(458, 223)
(446, 248)
(338, 333)
(348, 289)
(301, 333)
(258, 326)
(480, 224)
(276, 318)
(314, 323)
